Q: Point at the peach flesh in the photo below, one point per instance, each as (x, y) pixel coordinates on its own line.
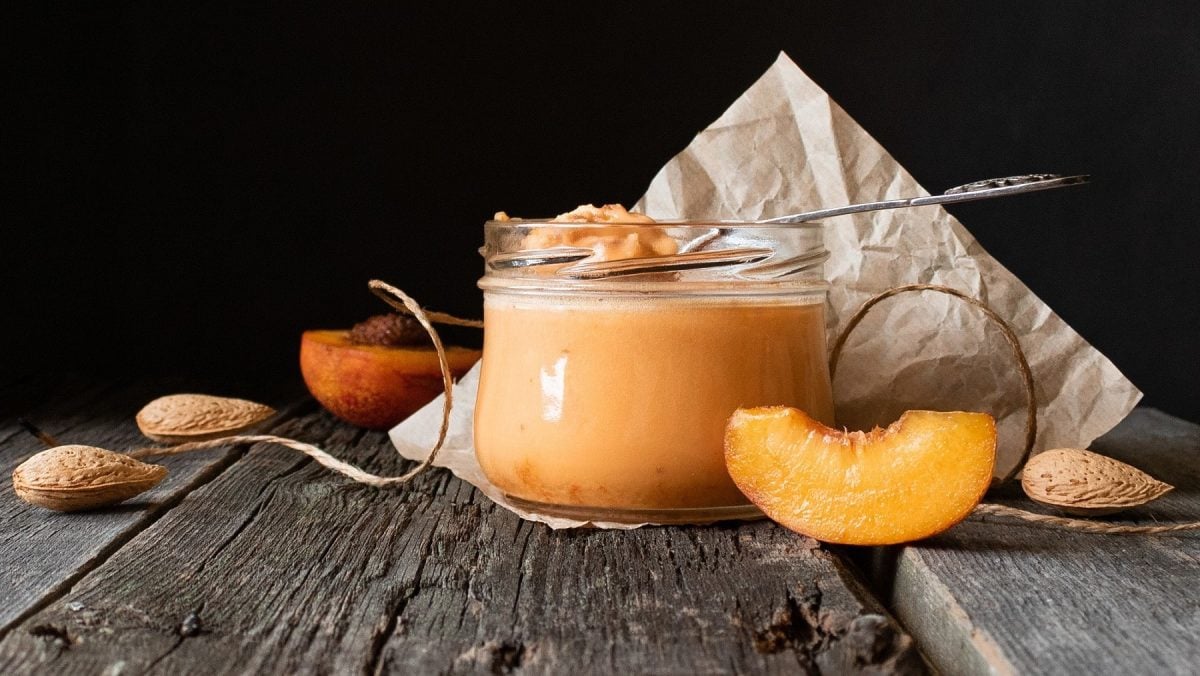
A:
(916, 478)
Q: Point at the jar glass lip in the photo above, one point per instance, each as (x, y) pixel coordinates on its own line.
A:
(673, 223)
(640, 287)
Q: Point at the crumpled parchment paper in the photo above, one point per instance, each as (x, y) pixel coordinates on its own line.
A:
(784, 147)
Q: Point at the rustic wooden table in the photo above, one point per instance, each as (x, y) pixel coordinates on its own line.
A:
(254, 559)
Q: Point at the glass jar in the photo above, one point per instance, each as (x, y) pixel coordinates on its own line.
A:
(614, 354)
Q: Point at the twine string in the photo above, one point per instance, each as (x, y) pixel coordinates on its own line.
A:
(1078, 525)
(1010, 337)
(323, 458)
(403, 303)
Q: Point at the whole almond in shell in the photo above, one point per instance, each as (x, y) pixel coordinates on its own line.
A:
(1088, 484)
(73, 478)
(195, 417)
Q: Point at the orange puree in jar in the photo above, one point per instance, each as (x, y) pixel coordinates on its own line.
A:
(607, 398)
(622, 403)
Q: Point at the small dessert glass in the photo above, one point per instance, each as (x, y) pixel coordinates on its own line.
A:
(614, 355)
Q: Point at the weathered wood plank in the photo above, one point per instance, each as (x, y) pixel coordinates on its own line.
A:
(278, 566)
(42, 553)
(667, 600)
(990, 597)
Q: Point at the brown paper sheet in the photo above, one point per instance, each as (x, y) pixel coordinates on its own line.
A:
(784, 147)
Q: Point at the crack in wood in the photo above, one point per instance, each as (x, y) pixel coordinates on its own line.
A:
(158, 660)
(190, 627)
(521, 561)
(259, 504)
(375, 664)
(795, 627)
(679, 581)
(378, 642)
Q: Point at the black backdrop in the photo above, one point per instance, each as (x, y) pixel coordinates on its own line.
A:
(189, 188)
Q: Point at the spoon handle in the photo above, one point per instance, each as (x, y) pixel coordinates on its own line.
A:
(979, 190)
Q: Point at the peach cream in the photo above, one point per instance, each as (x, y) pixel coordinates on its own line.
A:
(608, 399)
(623, 404)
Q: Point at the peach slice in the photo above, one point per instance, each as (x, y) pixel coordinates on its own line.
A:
(918, 477)
(374, 386)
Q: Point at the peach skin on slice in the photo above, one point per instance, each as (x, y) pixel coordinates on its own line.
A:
(918, 477)
(374, 386)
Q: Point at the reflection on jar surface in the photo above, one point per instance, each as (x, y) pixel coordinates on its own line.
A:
(607, 400)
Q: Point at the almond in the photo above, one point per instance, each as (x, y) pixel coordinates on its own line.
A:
(195, 417)
(73, 478)
(1088, 484)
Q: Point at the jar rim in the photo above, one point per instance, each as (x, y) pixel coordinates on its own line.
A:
(629, 286)
(690, 251)
(674, 223)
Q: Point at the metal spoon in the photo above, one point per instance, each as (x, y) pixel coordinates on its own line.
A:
(969, 192)
(690, 257)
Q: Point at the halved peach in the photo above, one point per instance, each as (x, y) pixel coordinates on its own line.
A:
(374, 386)
(916, 478)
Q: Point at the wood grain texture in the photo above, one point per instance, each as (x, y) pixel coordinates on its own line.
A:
(1004, 598)
(42, 552)
(279, 566)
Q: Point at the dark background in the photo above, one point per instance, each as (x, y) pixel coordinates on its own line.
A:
(190, 188)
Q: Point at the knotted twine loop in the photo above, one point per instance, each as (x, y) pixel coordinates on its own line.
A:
(1010, 337)
(404, 304)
